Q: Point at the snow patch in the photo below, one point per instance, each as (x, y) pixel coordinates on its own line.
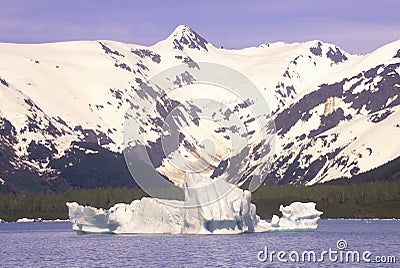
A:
(88, 151)
(392, 99)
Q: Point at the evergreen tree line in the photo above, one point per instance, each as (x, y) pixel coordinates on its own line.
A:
(380, 199)
(363, 200)
(52, 205)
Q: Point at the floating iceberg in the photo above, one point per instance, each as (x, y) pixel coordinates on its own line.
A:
(30, 220)
(215, 208)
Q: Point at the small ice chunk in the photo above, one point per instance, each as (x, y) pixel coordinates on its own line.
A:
(299, 216)
(25, 220)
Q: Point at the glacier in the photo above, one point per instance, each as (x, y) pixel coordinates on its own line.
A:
(208, 208)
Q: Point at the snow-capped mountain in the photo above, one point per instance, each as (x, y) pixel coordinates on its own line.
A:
(63, 105)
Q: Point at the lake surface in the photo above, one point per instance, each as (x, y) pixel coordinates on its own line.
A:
(54, 244)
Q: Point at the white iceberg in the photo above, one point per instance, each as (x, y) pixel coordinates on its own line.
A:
(215, 208)
(298, 216)
(29, 220)
(56, 220)
(25, 220)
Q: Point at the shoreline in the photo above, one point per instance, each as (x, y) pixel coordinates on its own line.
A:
(40, 220)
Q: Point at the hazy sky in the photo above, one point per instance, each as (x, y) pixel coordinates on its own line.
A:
(358, 26)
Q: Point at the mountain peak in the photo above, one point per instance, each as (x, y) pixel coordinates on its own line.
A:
(184, 36)
(181, 29)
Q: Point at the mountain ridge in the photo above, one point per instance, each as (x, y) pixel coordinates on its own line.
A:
(58, 98)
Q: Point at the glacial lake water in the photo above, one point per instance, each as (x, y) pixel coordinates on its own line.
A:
(54, 244)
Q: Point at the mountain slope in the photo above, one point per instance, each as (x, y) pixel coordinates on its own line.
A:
(63, 105)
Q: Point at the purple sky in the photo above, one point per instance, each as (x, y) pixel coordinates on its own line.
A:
(358, 26)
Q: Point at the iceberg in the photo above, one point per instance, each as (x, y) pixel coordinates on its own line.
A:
(298, 216)
(211, 207)
(29, 220)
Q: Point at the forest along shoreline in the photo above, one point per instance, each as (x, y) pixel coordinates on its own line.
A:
(354, 201)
